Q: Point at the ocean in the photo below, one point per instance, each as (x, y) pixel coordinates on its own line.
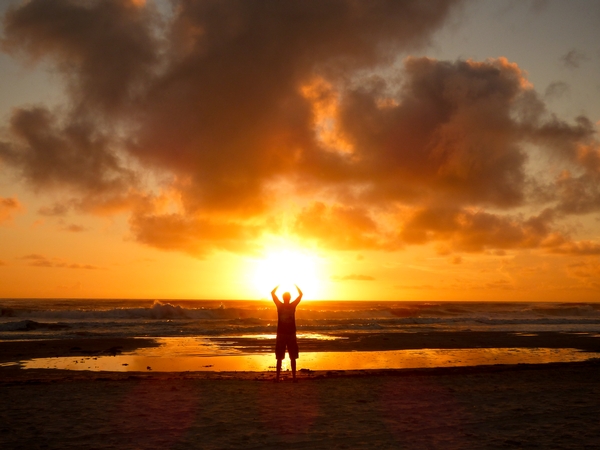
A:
(228, 336)
(102, 318)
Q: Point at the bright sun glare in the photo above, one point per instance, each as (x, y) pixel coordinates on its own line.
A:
(286, 268)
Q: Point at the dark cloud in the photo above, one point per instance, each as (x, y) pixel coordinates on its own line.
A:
(449, 133)
(576, 143)
(477, 231)
(73, 156)
(216, 102)
(209, 126)
(106, 49)
(573, 59)
(74, 228)
(8, 207)
(556, 89)
(231, 102)
(578, 194)
(56, 210)
(578, 248)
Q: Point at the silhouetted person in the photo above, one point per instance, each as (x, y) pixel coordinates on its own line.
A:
(286, 330)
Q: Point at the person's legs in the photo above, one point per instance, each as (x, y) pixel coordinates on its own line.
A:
(279, 354)
(278, 369)
(293, 352)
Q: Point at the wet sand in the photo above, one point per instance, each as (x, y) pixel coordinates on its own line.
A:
(503, 406)
(11, 351)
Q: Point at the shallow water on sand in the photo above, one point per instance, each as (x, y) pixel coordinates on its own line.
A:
(196, 354)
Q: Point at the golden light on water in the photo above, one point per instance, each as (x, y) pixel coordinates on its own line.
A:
(162, 359)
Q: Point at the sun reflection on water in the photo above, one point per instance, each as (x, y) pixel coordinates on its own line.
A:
(196, 354)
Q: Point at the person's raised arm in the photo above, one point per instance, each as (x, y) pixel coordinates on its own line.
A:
(295, 302)
(274, 296)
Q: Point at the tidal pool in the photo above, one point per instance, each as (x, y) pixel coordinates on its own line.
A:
(197, 354)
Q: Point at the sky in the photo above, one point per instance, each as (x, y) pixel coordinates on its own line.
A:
(439, 150)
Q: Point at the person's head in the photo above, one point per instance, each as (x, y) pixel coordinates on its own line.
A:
(286, 297)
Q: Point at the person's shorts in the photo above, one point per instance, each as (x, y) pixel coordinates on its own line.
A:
(289, 341)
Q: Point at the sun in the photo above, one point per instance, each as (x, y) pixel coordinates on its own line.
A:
(286, 268)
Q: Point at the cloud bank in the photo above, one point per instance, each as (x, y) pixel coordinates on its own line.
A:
(225, 120)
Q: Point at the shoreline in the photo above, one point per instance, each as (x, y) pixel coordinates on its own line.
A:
(18, 350)
(15, 354)
(13, 375)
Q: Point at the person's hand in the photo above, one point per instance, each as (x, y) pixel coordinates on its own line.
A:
(273, 291)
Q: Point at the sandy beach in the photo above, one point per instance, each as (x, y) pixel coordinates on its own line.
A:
(541, 406)
(496, 406)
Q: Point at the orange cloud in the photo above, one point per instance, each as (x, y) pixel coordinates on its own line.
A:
(339, 227)
(225, 100)
(37, 260)
(57, 210)
(74, 228)
(9, 207)
(588, 272)
(192, 235)
(578, 248)
(476, 230)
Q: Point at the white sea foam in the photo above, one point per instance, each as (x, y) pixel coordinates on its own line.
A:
(64, 318)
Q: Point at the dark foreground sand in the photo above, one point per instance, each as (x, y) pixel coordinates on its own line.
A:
(521, 406)
(541, 406)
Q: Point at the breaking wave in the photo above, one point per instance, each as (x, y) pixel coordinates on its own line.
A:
(22, 319)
